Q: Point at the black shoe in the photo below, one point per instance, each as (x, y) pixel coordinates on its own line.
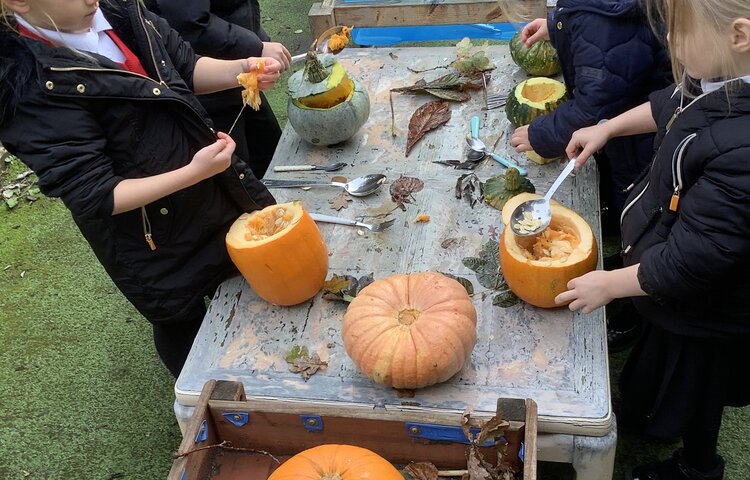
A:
(676, 469)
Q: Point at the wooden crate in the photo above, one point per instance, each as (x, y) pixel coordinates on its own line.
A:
(328, 13)
(258, 439)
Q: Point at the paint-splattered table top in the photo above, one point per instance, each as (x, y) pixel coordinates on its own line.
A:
(556, 357)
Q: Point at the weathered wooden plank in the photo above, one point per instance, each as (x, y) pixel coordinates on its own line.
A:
(555, 357)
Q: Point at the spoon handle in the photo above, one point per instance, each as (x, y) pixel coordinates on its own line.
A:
(299, 57)
(508, 164)
(474, 122)
(293, 168)
(560, 178)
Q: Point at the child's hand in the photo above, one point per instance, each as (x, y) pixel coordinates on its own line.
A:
(535, 31)
(587, 292)
(214, 158)
(279, 52)
(585, 142)
(520, 139)
(272, 69)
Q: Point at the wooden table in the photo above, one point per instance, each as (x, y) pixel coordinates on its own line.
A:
(556, 357)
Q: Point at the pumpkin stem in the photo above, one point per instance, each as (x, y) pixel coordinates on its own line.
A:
(408, 316)
(314, 70)
(331, 476)
(512, 180)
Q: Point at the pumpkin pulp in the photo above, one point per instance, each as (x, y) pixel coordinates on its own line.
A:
(539, 268)
(533, 98)
(280, 252)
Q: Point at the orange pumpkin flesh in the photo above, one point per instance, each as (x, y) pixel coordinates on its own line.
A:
(410, 331)
(336, 462)
(280, 252)
(537, 269)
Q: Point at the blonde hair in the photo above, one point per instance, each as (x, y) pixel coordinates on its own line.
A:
(680, 18)
(515, 10)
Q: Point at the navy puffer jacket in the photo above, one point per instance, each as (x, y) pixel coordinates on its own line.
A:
(611, 61)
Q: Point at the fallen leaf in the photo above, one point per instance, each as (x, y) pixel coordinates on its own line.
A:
(345, 287)
(300, 361)
(298, 31)
(458, 164)
(465, 282)
(427, 117)
(340, 201)
(422, 471)
(402, 190)
(393, 56)
(469, 186)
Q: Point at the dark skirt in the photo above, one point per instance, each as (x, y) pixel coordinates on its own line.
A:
(672, 383)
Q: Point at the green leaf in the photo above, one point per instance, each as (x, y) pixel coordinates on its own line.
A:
(487, 266)
(473, 263)
(505, 299)
(295, 353)
(452, 95)
(465, 282)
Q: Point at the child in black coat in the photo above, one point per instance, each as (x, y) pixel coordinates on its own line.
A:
(686, 240)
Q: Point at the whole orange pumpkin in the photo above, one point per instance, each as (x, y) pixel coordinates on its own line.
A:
(537, 269)
(336, 462)
(280, 252)
(410, 331)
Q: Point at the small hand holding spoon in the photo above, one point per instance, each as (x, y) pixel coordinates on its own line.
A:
(357, 187)
(533, 216)
(479, 146)
(332, 167)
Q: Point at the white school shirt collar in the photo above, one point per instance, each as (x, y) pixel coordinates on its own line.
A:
(95, 40)
(709, 87)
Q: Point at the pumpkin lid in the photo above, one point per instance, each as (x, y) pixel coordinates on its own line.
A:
(300, 85)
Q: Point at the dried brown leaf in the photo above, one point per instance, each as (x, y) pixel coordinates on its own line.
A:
(300, 361)
(402, 189)
(427, 117)
(340, 201)
(491, 429)
(422, 471)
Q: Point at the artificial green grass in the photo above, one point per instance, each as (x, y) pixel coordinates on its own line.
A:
(83, 394)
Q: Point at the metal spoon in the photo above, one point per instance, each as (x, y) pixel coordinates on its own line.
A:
(320, 45)
(537, 210)
(358, 187)
(479, 146)
(332, 167)
(475, 155)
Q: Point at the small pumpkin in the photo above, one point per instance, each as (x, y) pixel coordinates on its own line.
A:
(539, 59)
(533, 98)
(499, 189)
(410, 331)
(280, 252)
(326, 106)
(536, 158)
(336, 462)
(539, 268)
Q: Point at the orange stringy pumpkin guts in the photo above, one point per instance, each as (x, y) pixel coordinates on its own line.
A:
(339, 41)
(249, 82)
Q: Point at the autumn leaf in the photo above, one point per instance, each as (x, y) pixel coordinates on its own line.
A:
(427, 117)
(346, 287)
(300, 361)
(470, 187)
(422, 471)
(340, 201)
(402, 190)
(465, 282)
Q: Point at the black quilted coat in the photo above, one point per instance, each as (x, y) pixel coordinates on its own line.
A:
(85, 124)
(694, 257)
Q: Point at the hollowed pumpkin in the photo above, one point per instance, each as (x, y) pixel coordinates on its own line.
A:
(537, 269)
(533, 98)
(326, 106)
(410, 331)
(280, 252)
(336, 462)
(539, 59)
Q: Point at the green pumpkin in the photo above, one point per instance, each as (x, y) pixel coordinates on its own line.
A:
(501, 188)
(326, 106)
(533, 98)
(540, 59)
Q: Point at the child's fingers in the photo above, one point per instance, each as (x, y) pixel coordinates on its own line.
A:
(565, 297)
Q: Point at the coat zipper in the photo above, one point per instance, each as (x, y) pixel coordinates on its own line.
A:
(625, 210)
(677, 171)
(147, 229)
(150, 46)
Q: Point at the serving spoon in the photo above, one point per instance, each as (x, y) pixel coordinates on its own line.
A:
(533, 216)
(357, 187)
(479, 146)
(320, 45)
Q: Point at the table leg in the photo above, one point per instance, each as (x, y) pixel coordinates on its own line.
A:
(594, 457)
